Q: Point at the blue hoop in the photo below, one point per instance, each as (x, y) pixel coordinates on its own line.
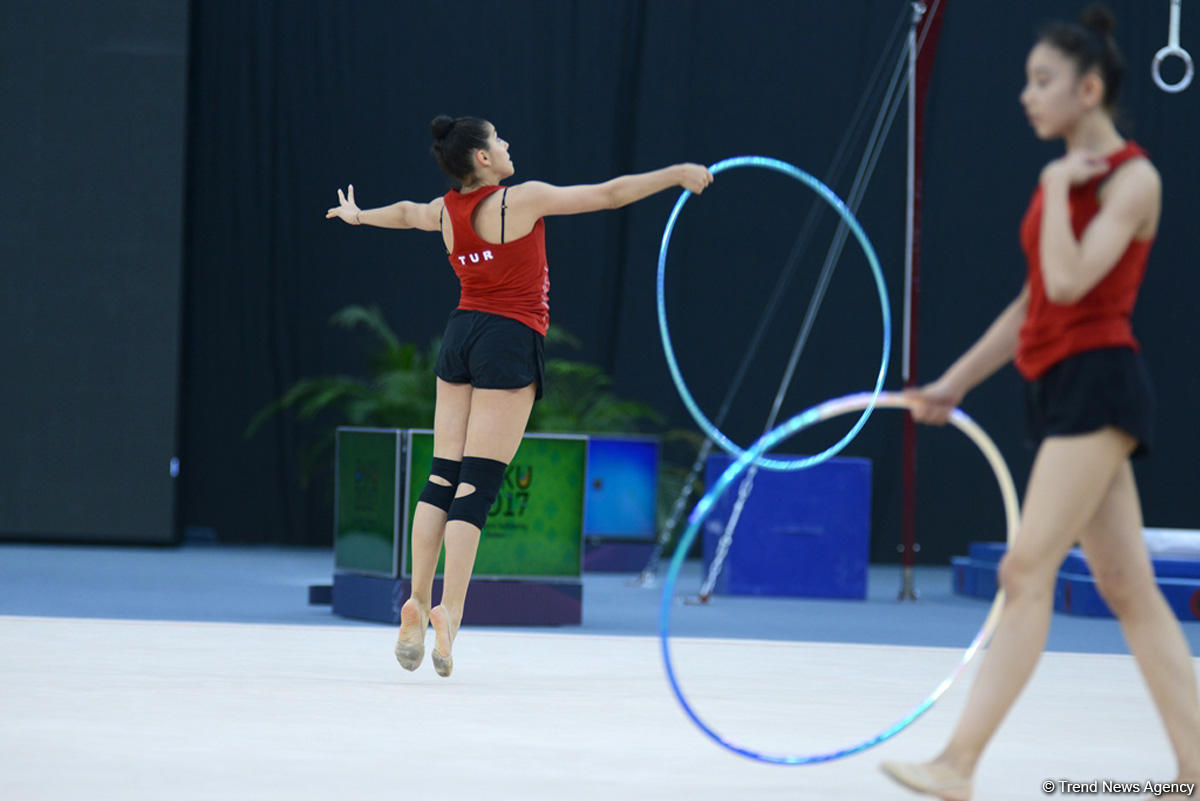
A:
(705, 424)
(824, 411)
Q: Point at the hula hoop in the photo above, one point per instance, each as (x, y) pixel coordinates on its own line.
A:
(706, 425)
(826, 410)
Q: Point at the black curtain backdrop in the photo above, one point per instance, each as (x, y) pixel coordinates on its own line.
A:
(982, 164)
(289, 101)
(92, 98)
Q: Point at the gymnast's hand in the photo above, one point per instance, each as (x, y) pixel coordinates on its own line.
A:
(346, 209)
(694, 177)
(934, 402)
(1074, 168)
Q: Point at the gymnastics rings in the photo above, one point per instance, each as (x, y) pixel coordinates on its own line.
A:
(705, 424)
(826, 410)
(1173, 49)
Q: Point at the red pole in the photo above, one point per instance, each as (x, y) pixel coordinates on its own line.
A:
(928, 32)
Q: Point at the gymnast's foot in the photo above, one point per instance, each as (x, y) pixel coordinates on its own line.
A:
(937, 778)
(410, 645)
(444, 628)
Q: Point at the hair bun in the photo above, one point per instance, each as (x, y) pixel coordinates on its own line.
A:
(440, 127)
(1099, 19)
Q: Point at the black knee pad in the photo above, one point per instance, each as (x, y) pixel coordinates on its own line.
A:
(436, 494)
(486, 475)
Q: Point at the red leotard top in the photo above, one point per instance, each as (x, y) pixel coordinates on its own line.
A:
(511, 279)
(1101, 318)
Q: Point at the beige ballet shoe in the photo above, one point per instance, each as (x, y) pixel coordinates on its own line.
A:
(410, 652)
(443, 663)
(925, 778)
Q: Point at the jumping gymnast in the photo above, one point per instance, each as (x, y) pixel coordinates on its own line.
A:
(490, 369)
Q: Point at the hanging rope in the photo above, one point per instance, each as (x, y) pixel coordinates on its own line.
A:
(857, 125)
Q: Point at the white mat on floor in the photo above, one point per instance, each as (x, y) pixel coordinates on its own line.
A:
(130, 710)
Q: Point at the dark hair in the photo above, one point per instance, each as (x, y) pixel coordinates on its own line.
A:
(1090, 44)
(455, 141)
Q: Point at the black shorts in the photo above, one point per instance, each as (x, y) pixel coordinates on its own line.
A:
(1089, 391)
(489, 351)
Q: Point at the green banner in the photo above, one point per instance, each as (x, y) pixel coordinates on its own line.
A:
(535, 528)
(367, 506)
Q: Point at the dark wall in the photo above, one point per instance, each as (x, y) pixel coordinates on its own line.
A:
(289, 105)
(290, 101)
(93, 97)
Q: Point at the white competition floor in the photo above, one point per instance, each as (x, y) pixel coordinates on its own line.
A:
(98, 709)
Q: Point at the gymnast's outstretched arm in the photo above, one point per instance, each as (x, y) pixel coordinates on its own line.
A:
(539, 199)
(404, 214)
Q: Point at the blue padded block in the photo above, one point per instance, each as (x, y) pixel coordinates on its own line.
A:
(964, 576)
(1075, 589)
(986, 551)
(1075, 563)
(1164, 567)
(1083, 598)
(1170, 567)
(1078, 596)
(1183, 596)
(802, 533)
(986, 581)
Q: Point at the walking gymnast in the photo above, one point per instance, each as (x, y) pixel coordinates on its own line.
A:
(490, 368)
(1086, 236)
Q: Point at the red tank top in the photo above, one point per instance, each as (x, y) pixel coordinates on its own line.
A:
(1101, 318)
(511, 279)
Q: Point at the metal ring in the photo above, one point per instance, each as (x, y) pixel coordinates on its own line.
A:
(1156, 69)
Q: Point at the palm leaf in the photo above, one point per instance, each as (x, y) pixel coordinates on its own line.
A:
(329, 393)
(302, 393)
(557, 335)
(372, 318)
